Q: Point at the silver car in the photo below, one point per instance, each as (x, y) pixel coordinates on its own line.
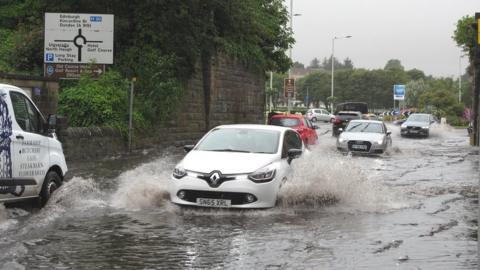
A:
(365, 137)
(417, 124)
(320, 115)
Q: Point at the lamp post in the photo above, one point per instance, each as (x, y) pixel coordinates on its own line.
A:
(290, 50)
(333, 64)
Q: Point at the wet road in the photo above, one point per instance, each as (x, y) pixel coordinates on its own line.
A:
(416, 207)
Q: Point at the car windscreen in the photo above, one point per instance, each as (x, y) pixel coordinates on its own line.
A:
(241, 140)
(285, 122)
(418, 118)
(365, 127)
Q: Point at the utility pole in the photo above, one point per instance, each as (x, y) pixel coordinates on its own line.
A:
(476, 82)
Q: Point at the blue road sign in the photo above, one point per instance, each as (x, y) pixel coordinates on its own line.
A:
(399, 92)
(49, 57)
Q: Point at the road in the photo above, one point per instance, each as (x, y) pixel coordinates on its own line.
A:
(415, 207)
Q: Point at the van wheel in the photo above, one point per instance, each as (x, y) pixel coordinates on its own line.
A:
(50, 184)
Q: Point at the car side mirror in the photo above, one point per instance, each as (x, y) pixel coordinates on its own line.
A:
(52, 121)
(188, 147)
(340, 130)
(293, 154)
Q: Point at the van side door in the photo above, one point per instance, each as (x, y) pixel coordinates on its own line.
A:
(30, 153)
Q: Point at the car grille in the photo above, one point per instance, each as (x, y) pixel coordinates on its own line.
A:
(236, 198)
(413, 128)
(359, 146)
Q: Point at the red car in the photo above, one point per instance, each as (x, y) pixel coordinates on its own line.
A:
(298, 122)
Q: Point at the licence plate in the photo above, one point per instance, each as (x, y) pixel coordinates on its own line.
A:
(413, 131)
(359, 146)
(213, 202)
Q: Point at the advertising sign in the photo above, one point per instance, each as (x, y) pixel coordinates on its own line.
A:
(399, 92)
(289, 88)
(78, 38)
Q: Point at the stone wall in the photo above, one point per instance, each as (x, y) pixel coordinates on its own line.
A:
(43, 91)
(236, 96)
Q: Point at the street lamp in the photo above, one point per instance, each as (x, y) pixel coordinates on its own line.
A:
(332, 60)
(290, 51)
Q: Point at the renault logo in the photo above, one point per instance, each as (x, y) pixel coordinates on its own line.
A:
(214, 178)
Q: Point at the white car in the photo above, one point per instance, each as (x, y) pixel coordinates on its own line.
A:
(365, 136)
(319, 115)
(237, 166)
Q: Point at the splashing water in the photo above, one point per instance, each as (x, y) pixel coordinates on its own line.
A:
(145, 186)
(324, 177)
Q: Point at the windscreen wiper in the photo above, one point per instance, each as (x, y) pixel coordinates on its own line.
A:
(229, 150)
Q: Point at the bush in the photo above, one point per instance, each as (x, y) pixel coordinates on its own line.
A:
(102, 102)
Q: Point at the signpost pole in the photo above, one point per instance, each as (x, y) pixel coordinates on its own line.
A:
(130, 120)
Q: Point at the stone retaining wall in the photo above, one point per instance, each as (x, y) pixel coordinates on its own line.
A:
(236, 96)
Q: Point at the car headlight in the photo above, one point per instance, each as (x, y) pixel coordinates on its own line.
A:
(179, 172)
(265, 174)
(403, 126)
(341, 140)
(379, 141)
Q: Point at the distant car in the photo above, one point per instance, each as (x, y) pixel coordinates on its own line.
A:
(237, 166)
(341, 120)
(303, 126)
(361, 107)
(365, 136)
(319, 115)
(371, 116)
(417, 124)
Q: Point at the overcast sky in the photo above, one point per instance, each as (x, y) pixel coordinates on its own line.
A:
(417, 32)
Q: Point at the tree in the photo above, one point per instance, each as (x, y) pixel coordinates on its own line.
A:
(416, 74)
(347, 63)
(298, 65)
(464, 35)
(314, 64)
(393, 64)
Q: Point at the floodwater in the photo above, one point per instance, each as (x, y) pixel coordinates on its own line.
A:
(415, 207)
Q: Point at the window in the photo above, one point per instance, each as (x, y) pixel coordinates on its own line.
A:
(241, 140)
(291, 141)
(285, 122)
(26, 115)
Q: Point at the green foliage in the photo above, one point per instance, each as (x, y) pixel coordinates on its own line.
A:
(464, 34)
(102, 102)
(393, 64)
(7, 46)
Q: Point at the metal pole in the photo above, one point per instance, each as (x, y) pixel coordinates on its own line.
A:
(271, 91)
(331, 59)
(308, 97)
(460, 79)
(290, 55)
(130, 118)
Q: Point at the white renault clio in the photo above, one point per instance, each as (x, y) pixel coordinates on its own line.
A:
(32, 164)
(238, 166)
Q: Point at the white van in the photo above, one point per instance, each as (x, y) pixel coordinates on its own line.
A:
(32, 164)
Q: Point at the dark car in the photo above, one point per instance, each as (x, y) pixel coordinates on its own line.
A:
(302, 125)
(361, 107)
(342, 119)
(417, 124)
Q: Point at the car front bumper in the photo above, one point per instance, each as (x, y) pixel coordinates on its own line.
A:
(234, 190)
(418, 131)
(372, 148)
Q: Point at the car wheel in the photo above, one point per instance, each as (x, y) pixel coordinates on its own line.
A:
(314, 119)
(50, 184)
